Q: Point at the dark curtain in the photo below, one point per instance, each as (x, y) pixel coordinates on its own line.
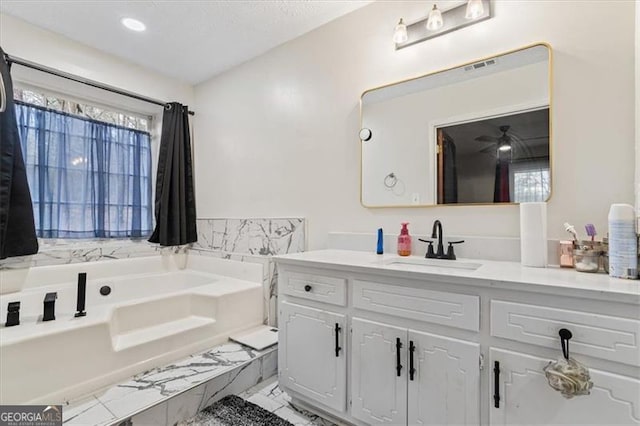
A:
(17, 228)
(501, 188)
(175, 205)
(450, 174)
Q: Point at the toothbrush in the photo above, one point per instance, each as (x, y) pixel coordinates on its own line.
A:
(570, 229)
(591, 230)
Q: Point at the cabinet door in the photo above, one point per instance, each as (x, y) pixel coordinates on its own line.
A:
(526, 398)
(312, 359)
(444, 388)
(378, 373)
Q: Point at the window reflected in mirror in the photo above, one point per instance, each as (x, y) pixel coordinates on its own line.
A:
(496, 160)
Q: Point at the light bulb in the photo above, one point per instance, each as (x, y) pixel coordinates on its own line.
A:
(133, 24)
(434, 22)
(400, 33)
(475, 8)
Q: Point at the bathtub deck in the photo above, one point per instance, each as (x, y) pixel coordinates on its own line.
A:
(175, 392)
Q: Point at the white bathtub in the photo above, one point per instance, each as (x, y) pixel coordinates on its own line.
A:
(154, 314)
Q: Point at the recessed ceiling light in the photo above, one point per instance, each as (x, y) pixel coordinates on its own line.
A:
(133, 24)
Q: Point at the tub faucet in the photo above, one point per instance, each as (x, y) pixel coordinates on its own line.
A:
(82, 295)
(13, 314)
(49, 306)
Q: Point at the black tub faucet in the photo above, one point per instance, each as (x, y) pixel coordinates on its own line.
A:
(13, 314)
(49, 306)
(82, 294)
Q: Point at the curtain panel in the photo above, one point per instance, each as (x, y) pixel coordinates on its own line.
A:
(88, 179)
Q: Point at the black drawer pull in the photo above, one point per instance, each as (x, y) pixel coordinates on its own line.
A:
(412, 349)
(398, 364)
(337, 347)
(496, 384)
(307, 287)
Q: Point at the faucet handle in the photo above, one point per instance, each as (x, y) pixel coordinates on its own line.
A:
(430, 253)
(450, 253)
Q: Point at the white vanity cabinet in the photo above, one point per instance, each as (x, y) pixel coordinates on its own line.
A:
(312, 359)
(463, 348)
(401, 376)
(523, 395)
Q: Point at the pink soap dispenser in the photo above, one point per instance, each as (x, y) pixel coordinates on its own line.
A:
(404, 241)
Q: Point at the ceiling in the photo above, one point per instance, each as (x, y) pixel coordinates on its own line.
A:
(188, 40)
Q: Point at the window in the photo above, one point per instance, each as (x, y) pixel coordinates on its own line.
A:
(531, 184)
(89, 168)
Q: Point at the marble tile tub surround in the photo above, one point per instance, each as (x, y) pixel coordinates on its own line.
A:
(254, 240)
(487, 248)
(175, 392)
(63, 252)
(254, 236)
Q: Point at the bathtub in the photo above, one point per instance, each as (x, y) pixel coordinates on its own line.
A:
(154, 313)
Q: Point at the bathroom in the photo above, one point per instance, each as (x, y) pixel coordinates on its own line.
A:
(289, 201)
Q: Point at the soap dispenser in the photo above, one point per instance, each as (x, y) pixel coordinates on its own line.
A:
(404, 241)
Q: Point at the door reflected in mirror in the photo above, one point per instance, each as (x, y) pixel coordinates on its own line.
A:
(477, 133)
(497, 160)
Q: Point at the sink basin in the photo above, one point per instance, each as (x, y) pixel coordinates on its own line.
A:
(431, 264)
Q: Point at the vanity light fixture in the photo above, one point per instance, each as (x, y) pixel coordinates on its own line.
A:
(434, 21)
(400, 32)
(440, 22)
(474, 9)
(133, 24)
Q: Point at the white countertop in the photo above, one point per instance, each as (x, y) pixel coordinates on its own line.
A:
(508, 275)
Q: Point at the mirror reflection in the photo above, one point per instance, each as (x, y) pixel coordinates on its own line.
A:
(478, 133)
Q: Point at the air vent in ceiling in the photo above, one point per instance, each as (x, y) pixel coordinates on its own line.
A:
(479, 65)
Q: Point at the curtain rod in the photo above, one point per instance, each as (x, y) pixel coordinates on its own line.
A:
(78, 79)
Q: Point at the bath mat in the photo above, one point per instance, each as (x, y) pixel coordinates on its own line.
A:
(235, 411)
(257, 338)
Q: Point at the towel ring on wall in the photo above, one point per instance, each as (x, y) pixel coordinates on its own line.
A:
(390, 180)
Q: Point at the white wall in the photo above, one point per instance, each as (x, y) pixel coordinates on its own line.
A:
(278, 135)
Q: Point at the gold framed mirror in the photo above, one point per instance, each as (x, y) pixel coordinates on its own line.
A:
(475, 134)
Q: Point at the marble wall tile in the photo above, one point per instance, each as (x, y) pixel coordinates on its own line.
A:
(59, 253)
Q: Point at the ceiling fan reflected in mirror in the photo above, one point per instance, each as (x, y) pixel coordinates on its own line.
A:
(505, 142)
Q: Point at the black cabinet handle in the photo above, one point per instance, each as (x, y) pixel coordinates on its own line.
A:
(307, 287)
(398, 347)
(337, 347)
(496, 384)
(412, 370)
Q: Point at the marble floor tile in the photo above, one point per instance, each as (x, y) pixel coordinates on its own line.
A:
(265, 402)
(292, 416)
(88, 412)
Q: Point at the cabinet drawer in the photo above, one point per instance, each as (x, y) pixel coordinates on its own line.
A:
(315, 287)
(452, 309)
(596, 335)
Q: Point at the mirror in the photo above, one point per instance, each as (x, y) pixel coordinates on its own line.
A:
(478, 133)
